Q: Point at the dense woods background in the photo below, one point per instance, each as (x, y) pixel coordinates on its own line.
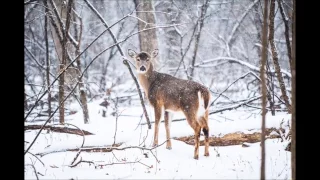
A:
(74, 52)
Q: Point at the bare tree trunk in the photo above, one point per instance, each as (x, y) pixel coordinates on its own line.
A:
(61, 93)
(63, 63)
(275, 56)
(264, 88)
(56, 30)
(258, 22)
(293, 96)
(58, 41)
(197, 39)
(271, 87)
(25, 101)
(148, 39)
(47, 60)
(286, 32)
(83, 96)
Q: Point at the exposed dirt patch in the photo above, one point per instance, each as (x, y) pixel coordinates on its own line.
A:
(236, 138)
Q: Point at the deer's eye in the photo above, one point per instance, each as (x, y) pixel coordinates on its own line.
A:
(147, 59)
(138, 59)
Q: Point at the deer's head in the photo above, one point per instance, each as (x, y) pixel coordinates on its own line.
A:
(143, 60)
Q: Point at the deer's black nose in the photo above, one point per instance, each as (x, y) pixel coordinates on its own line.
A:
(142, 68)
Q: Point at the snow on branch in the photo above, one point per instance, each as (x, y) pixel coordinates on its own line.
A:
(99, 148)
(59, 129)
(235, 60)
(108, 164)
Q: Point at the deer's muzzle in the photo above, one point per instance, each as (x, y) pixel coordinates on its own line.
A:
(142, 68)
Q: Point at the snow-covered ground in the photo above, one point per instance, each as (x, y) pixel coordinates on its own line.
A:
(229, 162)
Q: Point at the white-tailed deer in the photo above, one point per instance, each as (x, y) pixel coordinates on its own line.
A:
(171, 94)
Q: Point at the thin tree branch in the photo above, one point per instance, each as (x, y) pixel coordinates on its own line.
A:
(238, 61)
(241, 77)
(83, 140)
(105, 24)
(236, 26)
(32, 57)
(197, 38)
(29, 1)
(37, 158)
(102, 165)
(35, 171)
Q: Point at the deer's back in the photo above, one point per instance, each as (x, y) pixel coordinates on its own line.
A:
(173, 93)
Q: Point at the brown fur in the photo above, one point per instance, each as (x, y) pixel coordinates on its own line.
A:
(173, 94)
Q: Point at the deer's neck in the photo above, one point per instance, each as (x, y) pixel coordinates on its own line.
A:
(146, 79)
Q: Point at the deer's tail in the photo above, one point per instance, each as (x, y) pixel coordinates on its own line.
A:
(204, 98)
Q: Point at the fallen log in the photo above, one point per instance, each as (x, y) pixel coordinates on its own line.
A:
(237, 138)
(84, 149)
(58, 129)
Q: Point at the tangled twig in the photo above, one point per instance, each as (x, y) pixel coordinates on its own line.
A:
(108, 164)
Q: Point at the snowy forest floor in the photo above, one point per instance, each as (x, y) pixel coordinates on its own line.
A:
(234, 148)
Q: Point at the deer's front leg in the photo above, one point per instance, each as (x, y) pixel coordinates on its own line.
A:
(166, 121)
(157, 113)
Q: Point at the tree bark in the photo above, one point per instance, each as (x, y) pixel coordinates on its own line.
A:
(148, 39)
(83, 96)
(55, 28)
(25, 101)
(271, 87)
(293, 96)
(264, 86)
(63, 63)
(286, 32)
(196, 44)
(258, 22)
(47, 60)
(58, 39)
(275, 56)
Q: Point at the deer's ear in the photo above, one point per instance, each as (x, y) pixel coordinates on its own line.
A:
(155, 53)
(131, 53)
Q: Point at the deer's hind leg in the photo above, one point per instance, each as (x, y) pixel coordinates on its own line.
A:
(197, 130)
(191, 118)
(205, 129)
